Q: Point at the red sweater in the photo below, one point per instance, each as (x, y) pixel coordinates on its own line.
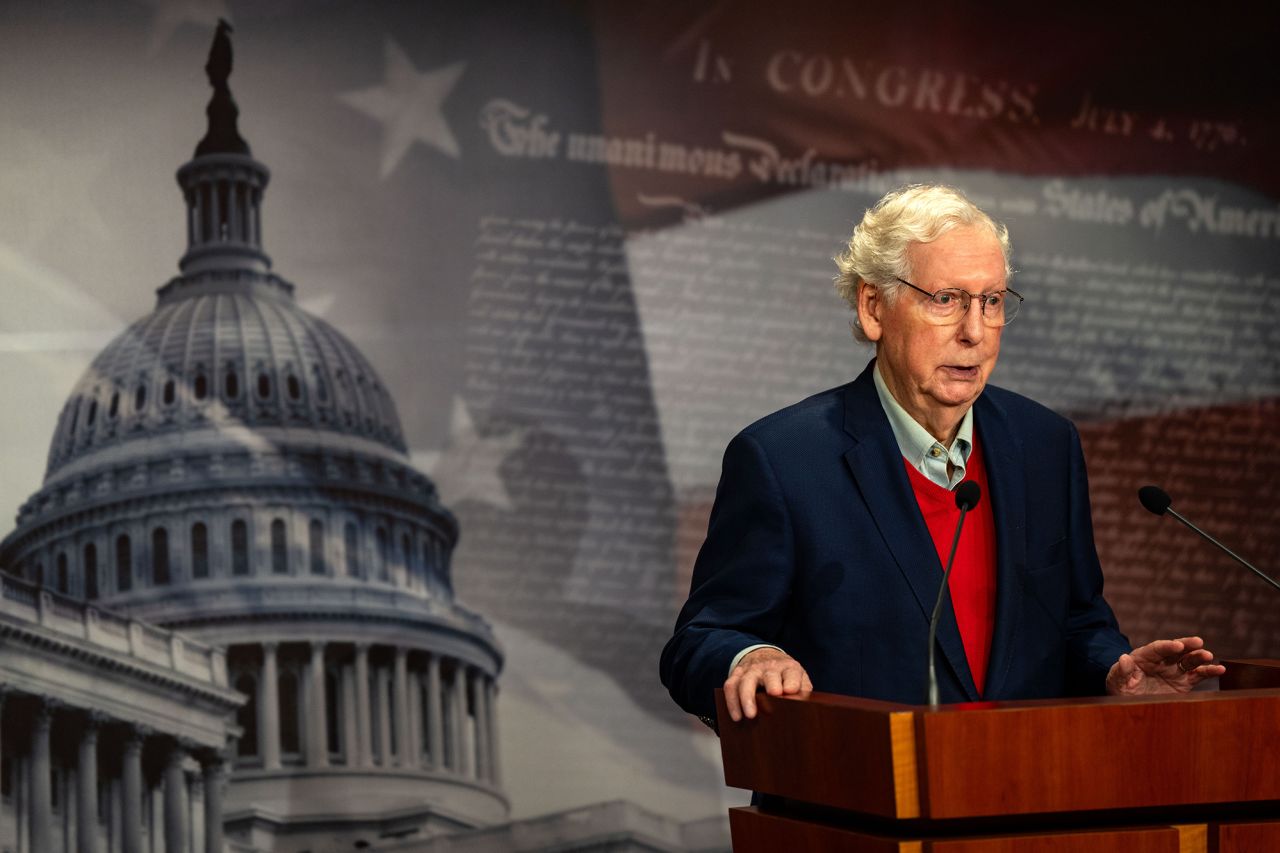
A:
(973, 578)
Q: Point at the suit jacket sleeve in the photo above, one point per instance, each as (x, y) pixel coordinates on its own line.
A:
(741, 581)
(1094, 641)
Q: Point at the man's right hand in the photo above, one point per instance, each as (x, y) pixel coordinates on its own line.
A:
(774, 670)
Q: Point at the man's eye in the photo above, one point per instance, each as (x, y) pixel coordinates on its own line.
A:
(993, 300)
(944, 298)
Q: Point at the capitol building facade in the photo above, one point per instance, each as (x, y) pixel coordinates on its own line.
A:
(227, 614)
(227, 621)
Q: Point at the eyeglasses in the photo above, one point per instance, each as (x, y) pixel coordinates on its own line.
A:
(950, 304)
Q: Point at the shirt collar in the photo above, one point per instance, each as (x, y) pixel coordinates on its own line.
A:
(926, 454)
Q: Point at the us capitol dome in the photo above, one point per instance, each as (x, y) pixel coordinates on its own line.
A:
(232, 468)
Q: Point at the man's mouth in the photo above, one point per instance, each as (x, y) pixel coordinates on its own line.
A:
(960, 371)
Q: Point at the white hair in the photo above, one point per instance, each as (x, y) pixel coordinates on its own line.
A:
(919, 213)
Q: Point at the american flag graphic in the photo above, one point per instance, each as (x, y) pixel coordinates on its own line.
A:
(586, 243)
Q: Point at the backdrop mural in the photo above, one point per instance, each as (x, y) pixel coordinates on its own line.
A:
(571, 248)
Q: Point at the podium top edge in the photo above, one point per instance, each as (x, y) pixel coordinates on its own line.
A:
(837, 700)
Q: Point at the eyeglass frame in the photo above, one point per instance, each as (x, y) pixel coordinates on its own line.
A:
(982, 308)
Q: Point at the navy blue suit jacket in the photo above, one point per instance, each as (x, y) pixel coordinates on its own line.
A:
(816, 544)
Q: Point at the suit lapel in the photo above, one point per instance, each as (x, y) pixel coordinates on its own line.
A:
(1006, 467)
(876, 464)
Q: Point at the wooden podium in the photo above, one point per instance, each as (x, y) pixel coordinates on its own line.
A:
(1191, 774)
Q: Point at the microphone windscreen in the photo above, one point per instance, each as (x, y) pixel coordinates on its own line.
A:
(1155, 499)
(968, 494)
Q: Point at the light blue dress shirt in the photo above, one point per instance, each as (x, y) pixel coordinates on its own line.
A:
(925, 453)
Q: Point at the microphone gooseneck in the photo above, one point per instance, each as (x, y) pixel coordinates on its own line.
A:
(968, 494)
(1157, 500)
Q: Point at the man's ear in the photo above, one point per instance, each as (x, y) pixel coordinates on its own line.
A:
(870, 306)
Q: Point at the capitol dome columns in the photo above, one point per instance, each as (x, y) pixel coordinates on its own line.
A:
(480, 697)
(87, 784)
(416, 711)
(41, 795)
(381, 680)
(397, 706)
(132, 778)
(457, 716)
(213, 771)
(400, 691)
(490, 702)
(435, 725)
(317, 725)
(175, 807)
(269, 709)
(364, 713)
(433, 714)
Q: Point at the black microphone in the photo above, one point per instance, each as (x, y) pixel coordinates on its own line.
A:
(1157, 500)
(968, 494)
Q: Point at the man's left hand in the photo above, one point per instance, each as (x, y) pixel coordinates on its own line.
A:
(1165, 666)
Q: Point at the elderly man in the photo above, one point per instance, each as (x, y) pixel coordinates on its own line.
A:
(834, 516)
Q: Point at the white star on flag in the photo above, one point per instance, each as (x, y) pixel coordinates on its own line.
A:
(408, 104)
(468, 467)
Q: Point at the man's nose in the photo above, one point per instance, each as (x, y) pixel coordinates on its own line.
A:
(973, 328)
